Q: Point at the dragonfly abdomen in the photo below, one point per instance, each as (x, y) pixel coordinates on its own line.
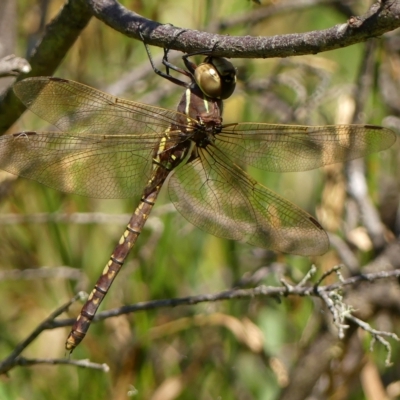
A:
(117, 258)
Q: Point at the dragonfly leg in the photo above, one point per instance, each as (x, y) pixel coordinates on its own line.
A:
(168, 66)
(191, 66)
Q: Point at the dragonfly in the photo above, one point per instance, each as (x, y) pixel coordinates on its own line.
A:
(108, 147)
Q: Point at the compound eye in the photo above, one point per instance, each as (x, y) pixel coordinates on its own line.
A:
(208, 80)
(216, 77)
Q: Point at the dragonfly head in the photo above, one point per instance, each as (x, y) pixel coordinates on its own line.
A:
(216, 77)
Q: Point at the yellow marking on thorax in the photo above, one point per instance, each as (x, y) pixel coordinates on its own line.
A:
(188, 94)
(166, 133)
(161, 148)
(187, 108)
(206, 105)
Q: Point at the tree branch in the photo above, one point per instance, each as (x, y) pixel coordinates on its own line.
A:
(259, 291)
(301, 289)
(62, 32)
(381, 17)
(59, 36)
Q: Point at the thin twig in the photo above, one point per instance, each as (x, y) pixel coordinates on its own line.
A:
(327, 273)
(329, 294)
(12, 65)
(259, 291)
(44, 272)
(9, 362)
(77, 217)
(28, 362)
(377, 336)
(311, 272)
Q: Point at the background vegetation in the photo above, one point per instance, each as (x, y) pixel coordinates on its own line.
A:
(238, 349)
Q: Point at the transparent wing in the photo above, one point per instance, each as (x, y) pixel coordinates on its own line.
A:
(284, 148)
(89, 165)
(105, 146)
(220, 198)
(77, 108)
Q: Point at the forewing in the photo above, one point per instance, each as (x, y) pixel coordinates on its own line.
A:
(77, 108)
(220, 198)
(284, 148)
(89, 165)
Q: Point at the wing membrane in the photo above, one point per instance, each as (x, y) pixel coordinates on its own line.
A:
(77, 108)
(88, 165)
(285, 148)
(106, 145)
(220, 198)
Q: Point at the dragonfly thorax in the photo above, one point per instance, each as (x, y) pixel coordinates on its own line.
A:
(202, 110)
(205, 116)
(204, 135)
